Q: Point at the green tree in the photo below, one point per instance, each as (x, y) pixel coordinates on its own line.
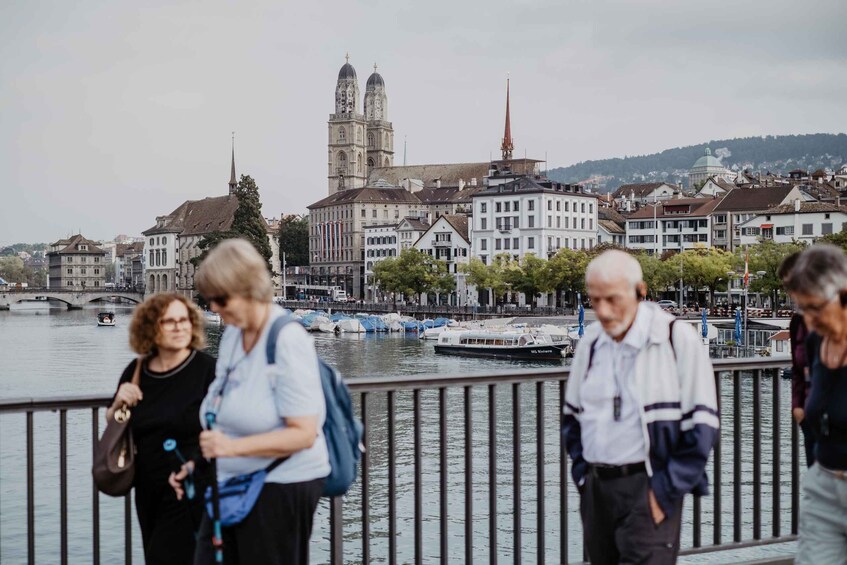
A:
(483, 277)
(656, 273)
(839, 239)
(701, 268)
(247, 223)
(764, 260)
(530, 276)
(294, 240)
(566, 271)
(12, 269)
(413, 273)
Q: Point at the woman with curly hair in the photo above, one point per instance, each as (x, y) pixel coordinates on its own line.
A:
(167, 333)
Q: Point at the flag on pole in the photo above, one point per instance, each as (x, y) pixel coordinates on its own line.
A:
(746, 271)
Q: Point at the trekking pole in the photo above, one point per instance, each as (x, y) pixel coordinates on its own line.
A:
(169, 445)
(217, 538)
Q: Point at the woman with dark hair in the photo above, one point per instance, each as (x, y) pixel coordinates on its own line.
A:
(267, 416)
(817, 284)
(167, 334)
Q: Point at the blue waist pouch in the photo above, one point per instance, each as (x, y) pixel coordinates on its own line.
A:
(237, 497)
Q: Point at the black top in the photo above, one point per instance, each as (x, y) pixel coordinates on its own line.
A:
(826, 408)
(170, 409)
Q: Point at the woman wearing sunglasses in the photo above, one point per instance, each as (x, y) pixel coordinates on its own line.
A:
(818, 287)
(264, 414)
(167, 333)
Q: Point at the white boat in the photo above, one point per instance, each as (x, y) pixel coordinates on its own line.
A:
(212, 318)
(328, 327)
(351, 325)
(499, 344)
(317, 322)
(106, 319)
(433, 333)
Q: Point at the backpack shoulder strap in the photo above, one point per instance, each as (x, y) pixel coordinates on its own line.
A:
(273, 336)
(670, 336)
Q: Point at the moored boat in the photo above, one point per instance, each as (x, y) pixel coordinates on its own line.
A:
(502, 345)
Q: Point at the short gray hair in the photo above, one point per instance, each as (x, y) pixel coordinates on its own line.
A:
(820, 270)
(614, 264)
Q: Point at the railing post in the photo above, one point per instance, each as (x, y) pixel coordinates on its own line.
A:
(30, 491)
(468, 477)
(63, 486)
(392, 484)
(336, 530)
(539, 459)
(736, 456)
(492, 473)
(777, 437)
(442, 434)
(416, 402)
(95, 494)
(516, 471)
(757, 455)
(366, 459)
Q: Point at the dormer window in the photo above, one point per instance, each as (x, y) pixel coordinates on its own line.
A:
(82, 247)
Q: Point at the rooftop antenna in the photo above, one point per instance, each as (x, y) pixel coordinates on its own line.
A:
(404, 149)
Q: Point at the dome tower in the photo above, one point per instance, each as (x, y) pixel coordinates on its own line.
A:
(380, 132)
(346, 145)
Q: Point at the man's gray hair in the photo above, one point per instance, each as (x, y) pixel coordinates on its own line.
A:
(820, 270)
(613, 265)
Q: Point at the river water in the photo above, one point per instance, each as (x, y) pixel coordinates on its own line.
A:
(53, 352)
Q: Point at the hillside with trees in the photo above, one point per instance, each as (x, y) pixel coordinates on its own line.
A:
(776, 154)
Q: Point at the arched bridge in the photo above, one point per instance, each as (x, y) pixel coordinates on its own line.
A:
(73, 298)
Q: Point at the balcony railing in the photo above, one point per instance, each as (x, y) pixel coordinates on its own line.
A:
(456, 467)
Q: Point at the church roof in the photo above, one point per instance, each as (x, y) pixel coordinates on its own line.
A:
(448, 174)
(707, 160)
(375, 80)
(347, 72)
(367, 194)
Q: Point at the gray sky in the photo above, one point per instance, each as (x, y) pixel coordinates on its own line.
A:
(114, 112)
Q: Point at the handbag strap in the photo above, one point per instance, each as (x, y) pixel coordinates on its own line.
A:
(136, 373)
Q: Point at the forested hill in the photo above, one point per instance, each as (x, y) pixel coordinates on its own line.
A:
(777, 154)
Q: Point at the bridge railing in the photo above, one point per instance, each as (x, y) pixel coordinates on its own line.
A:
(457, 468)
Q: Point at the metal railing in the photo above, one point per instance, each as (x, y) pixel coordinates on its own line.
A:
(466, 450)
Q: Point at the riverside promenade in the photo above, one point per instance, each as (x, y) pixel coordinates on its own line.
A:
(458, 468)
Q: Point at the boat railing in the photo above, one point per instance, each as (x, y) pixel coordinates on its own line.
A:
(457, 467)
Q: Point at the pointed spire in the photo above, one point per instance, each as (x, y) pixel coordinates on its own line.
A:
(507, 146)
(347, 57)
(232, 182)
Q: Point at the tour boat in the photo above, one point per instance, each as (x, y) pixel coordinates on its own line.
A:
(499, 344)
(106, 319)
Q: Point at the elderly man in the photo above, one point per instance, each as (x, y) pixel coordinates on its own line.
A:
(641, 417)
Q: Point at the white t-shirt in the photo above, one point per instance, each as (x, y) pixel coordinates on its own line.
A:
(258, 397)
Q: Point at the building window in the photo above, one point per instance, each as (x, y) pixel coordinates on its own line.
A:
(364, 213)
(70, 283)
(558, 222)
(164, 256)
(549, 205)
(498, 245)
(507, 207)
(531, 221)
(549, 221)
(70, 271)
(498, 207)
(483, 207)
(483, 245)
(826, 229)
(483, 223)
(567, 206)
(516, 243)
(506, 243)
(516, 206)
(530, 205)
(590, 207)
(558, 206)
(530, 243)
(807, 229)
(373, 213)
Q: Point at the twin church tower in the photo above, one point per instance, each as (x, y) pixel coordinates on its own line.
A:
(358, 142)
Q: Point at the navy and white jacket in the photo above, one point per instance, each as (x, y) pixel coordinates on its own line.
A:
(675, 386)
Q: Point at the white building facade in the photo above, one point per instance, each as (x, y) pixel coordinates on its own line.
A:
(799, 221)
(529, 215)
(673, 225)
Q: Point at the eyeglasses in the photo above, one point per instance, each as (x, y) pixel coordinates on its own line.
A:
(174, 323)
(219, 300)
(813, 309)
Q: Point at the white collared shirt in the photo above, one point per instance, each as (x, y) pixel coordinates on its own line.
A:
(605, 440)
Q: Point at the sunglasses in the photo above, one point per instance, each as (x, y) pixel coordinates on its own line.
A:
(219, 300)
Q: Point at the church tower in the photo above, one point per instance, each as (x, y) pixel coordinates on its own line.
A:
(380, 132)
(346, 146)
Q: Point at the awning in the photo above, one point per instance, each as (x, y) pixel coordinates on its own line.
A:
(766, 226)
